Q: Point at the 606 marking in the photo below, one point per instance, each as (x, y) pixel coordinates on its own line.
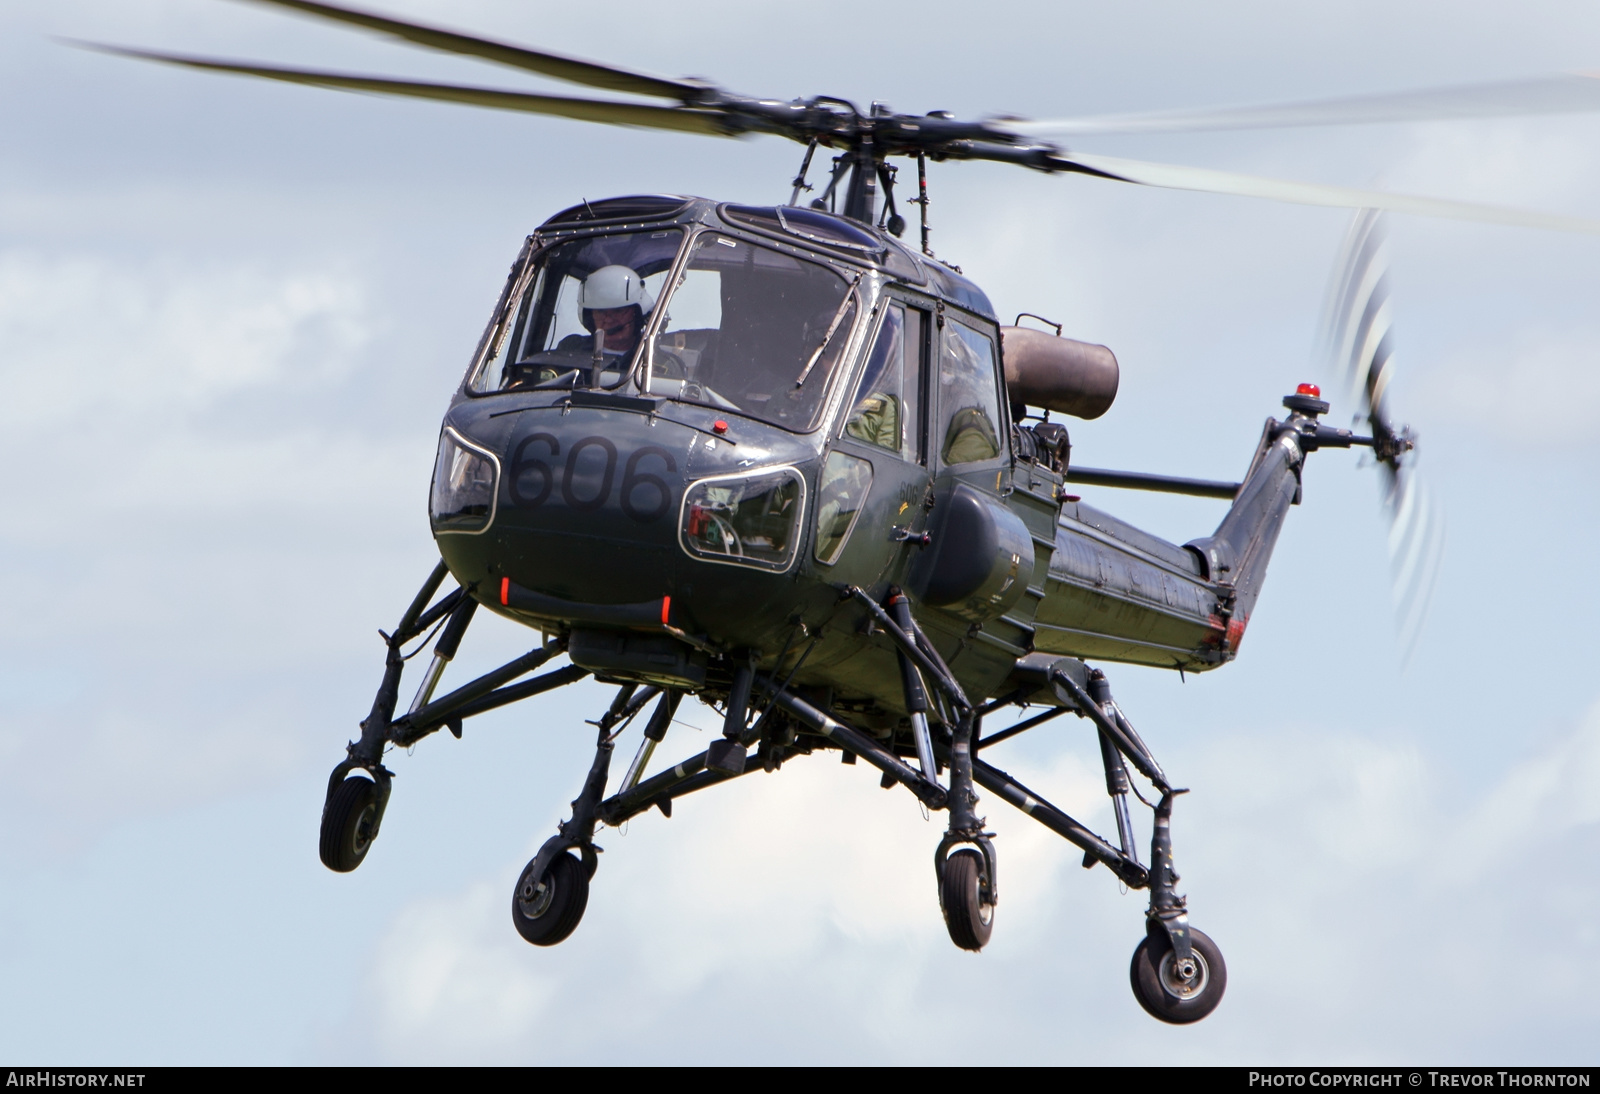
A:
(538, 465)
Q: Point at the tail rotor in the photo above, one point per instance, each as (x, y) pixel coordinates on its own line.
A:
(1358, 341)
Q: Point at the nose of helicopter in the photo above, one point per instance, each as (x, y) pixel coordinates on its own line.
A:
(596, 514)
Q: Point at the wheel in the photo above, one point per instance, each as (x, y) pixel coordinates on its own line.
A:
(547, 914)
(349, 823)
(1163, 993)
(964, 896)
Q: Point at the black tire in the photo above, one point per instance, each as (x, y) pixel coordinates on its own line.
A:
(964, 896)
(1160, 992)
(549, 916)
(349, 824)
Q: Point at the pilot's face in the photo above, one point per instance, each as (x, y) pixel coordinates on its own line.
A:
(621, 326)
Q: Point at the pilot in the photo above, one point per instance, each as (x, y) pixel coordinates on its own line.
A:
(615, 304)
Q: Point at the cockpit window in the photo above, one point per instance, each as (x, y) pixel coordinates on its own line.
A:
(969, 396)
(581, 314)
(752, 330)
(881, 412)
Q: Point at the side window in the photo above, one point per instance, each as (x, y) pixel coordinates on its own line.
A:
(969, 396)
(886, 409)
(845, 483)
(878, 410)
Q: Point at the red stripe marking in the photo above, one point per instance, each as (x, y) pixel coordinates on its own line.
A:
(505, 590)
(1235, 633)
(666, 606)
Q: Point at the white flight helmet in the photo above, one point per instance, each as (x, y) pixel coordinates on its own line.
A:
(615, 287)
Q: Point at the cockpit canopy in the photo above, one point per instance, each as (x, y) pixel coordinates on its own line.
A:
(743, 327)
(547, 339)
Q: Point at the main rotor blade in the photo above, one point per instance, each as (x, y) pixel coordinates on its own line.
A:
(1174, 177)
(1565, 94)
(571, 69)
(639, 115)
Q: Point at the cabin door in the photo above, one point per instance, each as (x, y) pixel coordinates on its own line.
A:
(875, 482)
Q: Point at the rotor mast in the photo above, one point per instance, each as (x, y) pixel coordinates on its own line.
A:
(861, 193)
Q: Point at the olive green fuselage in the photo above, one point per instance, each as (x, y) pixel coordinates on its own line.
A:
(590, 513)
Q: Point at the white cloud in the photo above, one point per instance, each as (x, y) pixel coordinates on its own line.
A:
(136, 400)
(1539, 387)
(1555, 792)
(152, 339)
(444, 982)
(180, 392)
(1535, 163)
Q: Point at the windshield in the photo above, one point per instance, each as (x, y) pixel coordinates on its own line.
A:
(752, 330)
(581, 314)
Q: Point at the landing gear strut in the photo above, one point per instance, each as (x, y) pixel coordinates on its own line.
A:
(553, 889)
(358, 788)
(968, 878)
(1178, 974)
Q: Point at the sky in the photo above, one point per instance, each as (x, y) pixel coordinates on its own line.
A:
(232, 314)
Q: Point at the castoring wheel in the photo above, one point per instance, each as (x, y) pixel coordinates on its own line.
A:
(349, 823)
(546, 910)
(964, 896)
(1163, 990)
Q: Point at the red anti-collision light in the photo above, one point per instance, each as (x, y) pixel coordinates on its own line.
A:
(1309, 389)
(505, 591)
(719, 427)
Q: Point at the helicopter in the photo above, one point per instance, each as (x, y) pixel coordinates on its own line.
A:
(795, 479)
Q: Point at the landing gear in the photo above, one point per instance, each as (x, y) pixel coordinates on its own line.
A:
(553, 890)
(964, 896)
(358, 788)
(547, 909)
(968, 878)
(1172, 989)
(349, 824)
(1177, 973)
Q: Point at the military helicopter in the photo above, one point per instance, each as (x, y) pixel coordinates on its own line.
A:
(771, 458)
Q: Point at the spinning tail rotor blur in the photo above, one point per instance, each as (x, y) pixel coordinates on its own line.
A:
(1357, 340)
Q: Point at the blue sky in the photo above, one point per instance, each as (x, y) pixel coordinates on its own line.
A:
(231, 316)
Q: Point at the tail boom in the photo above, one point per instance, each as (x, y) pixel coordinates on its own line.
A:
(1116, 593)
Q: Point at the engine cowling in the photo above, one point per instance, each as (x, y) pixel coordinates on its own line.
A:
(1060, 374)
(981, 559)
